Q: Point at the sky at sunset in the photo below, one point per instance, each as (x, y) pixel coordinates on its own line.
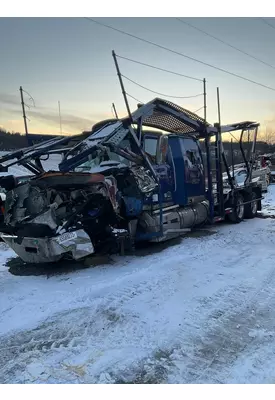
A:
(69, 60)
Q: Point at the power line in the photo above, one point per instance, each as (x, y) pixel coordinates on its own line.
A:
(225, 43)
(161, 69)
(180, 54)
(161, 94)
(134, 98)
(233, 136)
(267, 23)
(198, 110)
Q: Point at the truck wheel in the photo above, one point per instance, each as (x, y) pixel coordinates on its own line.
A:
(237, 214)
(250, 209)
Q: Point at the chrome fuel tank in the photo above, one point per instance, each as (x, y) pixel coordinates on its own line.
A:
(176, 220)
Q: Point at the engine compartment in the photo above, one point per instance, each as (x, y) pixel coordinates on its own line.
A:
(55, 203)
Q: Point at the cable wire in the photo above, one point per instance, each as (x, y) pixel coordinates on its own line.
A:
(161, 94)
(227, 44)
(237, 140)
(30, 97)
(267, 23)
(134, 98)
(180, 54)
(198, 109)
(161, 69)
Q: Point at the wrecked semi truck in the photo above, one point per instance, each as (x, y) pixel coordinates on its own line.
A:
(141, 178)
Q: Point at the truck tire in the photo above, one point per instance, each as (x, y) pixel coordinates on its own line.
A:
(237, 214)
(250, 210)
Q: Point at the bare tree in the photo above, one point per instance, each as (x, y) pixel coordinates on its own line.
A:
(270, 135)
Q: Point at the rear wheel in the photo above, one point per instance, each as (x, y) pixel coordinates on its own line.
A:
(237, 214)
(250, 209)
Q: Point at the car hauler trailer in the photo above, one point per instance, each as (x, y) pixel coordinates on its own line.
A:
(140, 178)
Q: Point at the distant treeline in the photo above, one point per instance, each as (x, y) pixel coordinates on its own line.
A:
(15, 140)
(11, 141)
(234, 147)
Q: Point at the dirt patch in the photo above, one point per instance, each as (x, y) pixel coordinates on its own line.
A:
(69, 329)
(201, 233)
(145, 249)
(151, 371)
(266, 216)
(18, 267)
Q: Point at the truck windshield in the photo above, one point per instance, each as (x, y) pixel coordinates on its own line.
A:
(102, 159)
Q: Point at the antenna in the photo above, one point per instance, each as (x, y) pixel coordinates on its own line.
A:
(60, 122)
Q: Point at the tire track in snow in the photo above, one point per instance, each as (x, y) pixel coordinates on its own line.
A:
(112, 321)
(79, 324)
(209, 357)
(21, 349)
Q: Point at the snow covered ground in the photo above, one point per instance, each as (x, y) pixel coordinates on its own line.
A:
(269, 203)
(201, 310)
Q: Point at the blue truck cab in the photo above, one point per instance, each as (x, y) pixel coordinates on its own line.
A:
(178, 163)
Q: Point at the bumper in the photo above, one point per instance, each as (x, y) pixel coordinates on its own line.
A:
(45, 250)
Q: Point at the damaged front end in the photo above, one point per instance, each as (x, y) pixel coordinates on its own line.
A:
(86, 207)
(51, 249)
(47, 216)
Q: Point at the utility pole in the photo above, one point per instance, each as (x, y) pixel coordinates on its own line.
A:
(122, 86)
(219, 157)
(204, 99)
(60, 123)
(24, 114)
(208, 158)
(114, 108)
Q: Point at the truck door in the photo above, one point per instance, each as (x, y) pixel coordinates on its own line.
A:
(193, 169)
(163, 169)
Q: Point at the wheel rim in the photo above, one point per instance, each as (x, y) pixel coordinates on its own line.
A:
(240, 208)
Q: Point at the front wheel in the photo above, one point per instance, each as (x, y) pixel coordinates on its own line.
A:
(237, 214)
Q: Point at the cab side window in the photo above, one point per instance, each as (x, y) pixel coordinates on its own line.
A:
(150, 146)
(192, 160)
